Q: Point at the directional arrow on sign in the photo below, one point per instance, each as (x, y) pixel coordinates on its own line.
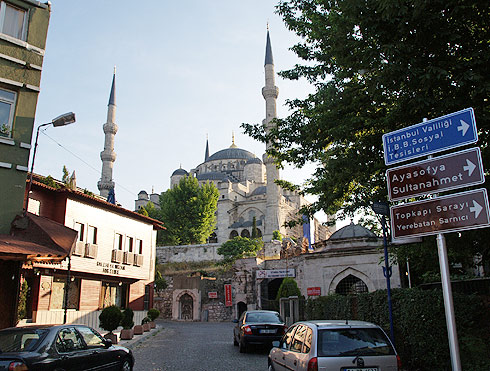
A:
(470, 167)
(464, 127)
(476, 208)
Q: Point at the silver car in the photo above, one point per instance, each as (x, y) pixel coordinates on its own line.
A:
(334, 345)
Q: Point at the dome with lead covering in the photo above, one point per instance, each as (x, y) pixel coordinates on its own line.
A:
(352, 231)
(231, 154)
(180, 172)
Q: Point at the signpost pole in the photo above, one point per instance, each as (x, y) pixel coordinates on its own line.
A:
(448, 302)
(387, 272)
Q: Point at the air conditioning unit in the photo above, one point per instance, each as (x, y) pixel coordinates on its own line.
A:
(117, 256)
(91, 250)
(79, 248)
(128, 257)
(138, 260)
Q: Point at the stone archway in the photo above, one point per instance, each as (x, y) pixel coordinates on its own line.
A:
(186, 305)
(355, 274)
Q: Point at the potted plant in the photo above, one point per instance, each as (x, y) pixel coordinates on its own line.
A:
(127, 324)
(145, 322)
(110, 318)
(153, 314)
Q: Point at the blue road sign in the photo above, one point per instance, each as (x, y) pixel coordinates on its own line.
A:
(436, 135)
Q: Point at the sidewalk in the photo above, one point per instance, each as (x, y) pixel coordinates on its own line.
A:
(137, 338)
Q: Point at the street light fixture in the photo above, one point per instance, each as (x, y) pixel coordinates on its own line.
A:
(62, 120)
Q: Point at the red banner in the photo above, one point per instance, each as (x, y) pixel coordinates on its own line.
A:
(228, 301)
(314, 291)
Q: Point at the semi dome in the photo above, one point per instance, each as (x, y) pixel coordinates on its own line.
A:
(259, 191)
(254, 160)
(352, 231)
(180, 172)
(231, 154)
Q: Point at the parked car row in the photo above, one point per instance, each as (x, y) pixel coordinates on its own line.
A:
(66, 347)
(317, 345)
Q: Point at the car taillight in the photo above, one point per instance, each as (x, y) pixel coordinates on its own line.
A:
(17, 366)
(313, 364)
(398, 362)
(247, 330)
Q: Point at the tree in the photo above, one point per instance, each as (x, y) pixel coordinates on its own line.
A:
(66, 175)
(288, 288)
(376, 66)
(239, 247)
(188, 212)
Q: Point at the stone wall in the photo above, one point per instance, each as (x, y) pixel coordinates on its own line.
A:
(162, 300)
(188, 253)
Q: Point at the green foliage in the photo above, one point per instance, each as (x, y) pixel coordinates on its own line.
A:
(22, 306)
(110, 318)
(419, 324)
(145, 320)
(127, 318)
(239, 247)
(188, 212)
(160, 284)
(376, 66)
(143, 211)
(276, 235)
(66, 176)
(49, 181)
(288, 288)
(153, 314)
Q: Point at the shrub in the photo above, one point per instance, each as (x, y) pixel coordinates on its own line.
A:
(288, 288)
(153, 314)
(145, 320)
(127, 319)
(110, 318)
(160, 284)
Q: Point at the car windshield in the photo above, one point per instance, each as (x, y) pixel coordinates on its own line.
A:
(263, 317)
(353, 342)
(20, 340)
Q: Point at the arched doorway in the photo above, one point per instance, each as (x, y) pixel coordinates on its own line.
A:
(269, 289)
(186, 307)
(240, 308)
(351, 285)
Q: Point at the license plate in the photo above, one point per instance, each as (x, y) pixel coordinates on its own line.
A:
(267, 331)
(361, 369)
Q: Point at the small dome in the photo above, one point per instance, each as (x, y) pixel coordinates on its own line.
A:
(180, 172)
(231, 154)
(259, 191)
(143, 192)
(211, 176)
(254, 160)
(352, 231)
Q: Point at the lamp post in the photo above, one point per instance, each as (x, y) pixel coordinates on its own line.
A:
(62, 120)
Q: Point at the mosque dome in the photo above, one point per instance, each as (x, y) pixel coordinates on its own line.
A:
(352, 231)
(180, 172)
(254, 160)
(232, 153)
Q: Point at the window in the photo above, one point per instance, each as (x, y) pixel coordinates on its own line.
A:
(351, 285)
(286, 339)
(13, 21)
(118, 243)
(58, 293)
(130, 244)
(68, 340)
(7, 108)
(299, 337)
(79, 227)
(92, 235)
(140, 246)
(92, 339)
(308, 340)
(113, 293)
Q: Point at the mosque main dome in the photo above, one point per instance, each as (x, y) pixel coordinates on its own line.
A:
(232, 153)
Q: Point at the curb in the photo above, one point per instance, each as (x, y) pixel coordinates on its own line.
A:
(137, 339)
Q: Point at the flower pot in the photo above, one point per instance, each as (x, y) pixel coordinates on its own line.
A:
(127, 334)
(153, 324)
(112, 337)
(146, 327)
(138, 330)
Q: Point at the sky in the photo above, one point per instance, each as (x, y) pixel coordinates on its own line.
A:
(185, 70)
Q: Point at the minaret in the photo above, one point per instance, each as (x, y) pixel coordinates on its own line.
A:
(206, 153)
(270, 93)
(108, 156)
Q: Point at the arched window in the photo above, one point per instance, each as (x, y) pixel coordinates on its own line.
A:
(213, 238)
(233, 234)
(351, 285)
(245, 233)
(259, 232)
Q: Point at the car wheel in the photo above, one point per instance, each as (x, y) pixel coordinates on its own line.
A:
(242, 347)
(126, 365)
(235, 343)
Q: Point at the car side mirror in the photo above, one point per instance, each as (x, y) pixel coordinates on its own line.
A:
(107, 343)
(235, 321)
(275, 344)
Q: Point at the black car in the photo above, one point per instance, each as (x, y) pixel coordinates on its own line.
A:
(258, 327)
(66, 347)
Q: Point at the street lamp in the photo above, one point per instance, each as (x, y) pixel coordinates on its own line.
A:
(61, 120)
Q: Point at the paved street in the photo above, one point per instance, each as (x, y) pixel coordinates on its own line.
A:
(195, 346)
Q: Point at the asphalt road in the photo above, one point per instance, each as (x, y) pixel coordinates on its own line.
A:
(196, 346)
